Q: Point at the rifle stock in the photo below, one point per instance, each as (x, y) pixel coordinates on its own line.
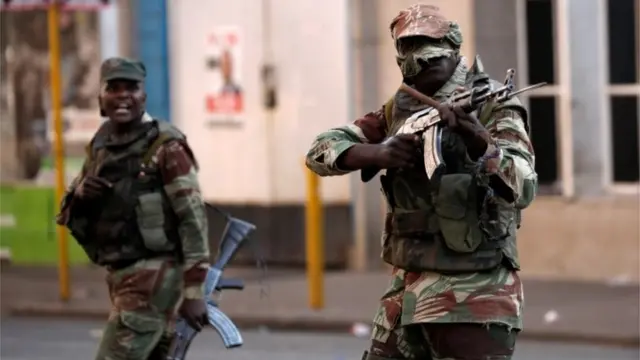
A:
(235, 233)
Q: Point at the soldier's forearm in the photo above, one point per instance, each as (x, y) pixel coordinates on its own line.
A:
(322, 158)
(195, 250)
(195, 273)
(510, 175)
(357, 157)
(513, 175)
(189, 207)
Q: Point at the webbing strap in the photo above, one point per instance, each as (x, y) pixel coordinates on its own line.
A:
(388, 111)
(155, 145)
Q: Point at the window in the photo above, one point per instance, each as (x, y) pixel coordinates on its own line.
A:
(623, 41)
(537, 62)
(540, 42)
(624, 88)
(543, 136)
(624, 130)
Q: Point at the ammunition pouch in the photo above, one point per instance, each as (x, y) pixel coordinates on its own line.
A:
(153, 222)
(457, 212)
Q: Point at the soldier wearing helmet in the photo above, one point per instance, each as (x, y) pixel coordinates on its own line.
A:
(455, 291)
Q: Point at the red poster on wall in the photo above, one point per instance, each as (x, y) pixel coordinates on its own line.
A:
(224, 99)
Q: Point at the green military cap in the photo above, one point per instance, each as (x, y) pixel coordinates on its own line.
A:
(122, 68)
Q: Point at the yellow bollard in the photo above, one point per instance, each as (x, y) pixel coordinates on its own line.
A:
(58, 145)
(314, 229)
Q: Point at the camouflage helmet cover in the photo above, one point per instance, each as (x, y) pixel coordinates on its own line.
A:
(425, 20)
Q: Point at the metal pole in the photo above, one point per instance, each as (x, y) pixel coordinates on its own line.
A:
(58, 145)
(314, 242)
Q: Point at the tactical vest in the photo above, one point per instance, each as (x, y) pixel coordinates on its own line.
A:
(134, 220)
(448, 223)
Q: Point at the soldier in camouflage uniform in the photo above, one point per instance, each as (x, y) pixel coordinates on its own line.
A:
(136, 209)
(455, 292)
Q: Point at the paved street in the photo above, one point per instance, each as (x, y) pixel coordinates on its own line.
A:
(554, 309)
(31, 339)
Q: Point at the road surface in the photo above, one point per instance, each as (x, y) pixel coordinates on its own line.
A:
(40, 339)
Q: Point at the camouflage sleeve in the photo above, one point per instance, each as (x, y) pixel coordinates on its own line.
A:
(510, 164)
(62, 218)
(329, 145)
(179, 175)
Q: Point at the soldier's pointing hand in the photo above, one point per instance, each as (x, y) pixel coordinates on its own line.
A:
(92, 187)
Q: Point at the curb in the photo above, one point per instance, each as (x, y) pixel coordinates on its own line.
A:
(306, 324)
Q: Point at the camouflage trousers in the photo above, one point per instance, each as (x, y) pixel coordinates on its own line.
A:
(433, 316)
(443, 341)
(144, 298)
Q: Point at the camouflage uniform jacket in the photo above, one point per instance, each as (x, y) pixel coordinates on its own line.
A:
(178, 172)
(419, 297)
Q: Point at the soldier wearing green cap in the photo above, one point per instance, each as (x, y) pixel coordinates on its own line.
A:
(455, 291)
(136, 209)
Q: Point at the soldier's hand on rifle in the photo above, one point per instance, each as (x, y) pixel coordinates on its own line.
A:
(92, 187)
(397, 151)
(473, 133)
(194, 312)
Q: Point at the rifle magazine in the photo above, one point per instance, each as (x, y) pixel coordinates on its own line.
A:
(227, 330)
(432, 149)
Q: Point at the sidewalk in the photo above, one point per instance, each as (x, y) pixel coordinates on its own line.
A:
(585, 311)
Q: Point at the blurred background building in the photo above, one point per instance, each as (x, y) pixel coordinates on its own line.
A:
(302, 66)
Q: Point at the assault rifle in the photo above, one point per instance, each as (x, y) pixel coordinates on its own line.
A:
(425, 123)
(234, 234)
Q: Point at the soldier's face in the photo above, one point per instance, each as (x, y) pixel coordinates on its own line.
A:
(435, 73)
(122, 101)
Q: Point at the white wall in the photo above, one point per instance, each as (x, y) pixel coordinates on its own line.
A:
(262, 161)
(310, 45)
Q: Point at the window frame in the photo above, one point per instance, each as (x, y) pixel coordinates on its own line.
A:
(560, 91)
(621, 188)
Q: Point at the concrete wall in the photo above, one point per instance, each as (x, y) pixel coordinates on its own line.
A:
(261, 161)
(586, 239)
(497, 41)
(256, 170)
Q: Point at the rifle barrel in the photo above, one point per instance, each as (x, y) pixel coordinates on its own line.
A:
(530, 87)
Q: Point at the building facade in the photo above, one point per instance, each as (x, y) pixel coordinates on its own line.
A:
(306, 67)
